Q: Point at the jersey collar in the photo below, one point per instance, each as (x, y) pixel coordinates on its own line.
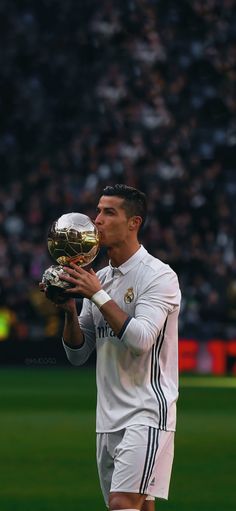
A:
(130, 263)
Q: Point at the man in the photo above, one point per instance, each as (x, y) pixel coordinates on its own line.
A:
(130, 314)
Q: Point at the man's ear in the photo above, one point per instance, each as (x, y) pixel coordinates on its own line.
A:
(135, 222)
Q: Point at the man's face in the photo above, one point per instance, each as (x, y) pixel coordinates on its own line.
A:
(111, 221)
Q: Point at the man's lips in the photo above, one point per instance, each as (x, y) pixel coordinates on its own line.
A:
(100, 234)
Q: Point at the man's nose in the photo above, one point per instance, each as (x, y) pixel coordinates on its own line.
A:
(98, 219)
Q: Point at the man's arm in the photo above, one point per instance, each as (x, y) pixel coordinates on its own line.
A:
(139, 333)
(72, 333)
(115, 317)
(88, 284)
(77, 347)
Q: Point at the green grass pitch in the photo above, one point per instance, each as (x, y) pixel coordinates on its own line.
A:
(47, 447)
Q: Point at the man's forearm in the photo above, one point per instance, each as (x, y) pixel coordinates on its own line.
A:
(115, 316)
(72, 333)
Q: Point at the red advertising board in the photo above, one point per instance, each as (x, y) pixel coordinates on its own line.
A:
(215, 356)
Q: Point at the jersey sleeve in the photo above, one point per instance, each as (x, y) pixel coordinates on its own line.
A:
(78, 356)
(160, 298)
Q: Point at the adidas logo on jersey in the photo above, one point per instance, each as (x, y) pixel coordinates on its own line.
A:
(152, 482)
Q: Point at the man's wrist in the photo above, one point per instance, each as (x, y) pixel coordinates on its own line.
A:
(100, 298)
(71, 314)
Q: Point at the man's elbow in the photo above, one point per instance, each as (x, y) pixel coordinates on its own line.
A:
(76, 358)
(140, 346)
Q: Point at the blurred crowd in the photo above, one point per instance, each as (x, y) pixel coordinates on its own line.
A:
(140, 92)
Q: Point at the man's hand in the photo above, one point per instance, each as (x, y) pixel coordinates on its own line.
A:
(67, 306)
(84, 282)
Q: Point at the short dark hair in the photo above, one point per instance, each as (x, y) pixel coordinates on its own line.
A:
(135, 201)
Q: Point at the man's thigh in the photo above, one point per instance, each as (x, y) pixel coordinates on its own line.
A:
(135, 460)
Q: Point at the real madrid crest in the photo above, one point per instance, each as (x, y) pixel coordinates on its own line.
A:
(129, 295)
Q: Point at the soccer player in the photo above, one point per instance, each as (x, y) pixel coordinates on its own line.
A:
(130, 315)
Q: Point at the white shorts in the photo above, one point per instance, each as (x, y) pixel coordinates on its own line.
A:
(137, 459)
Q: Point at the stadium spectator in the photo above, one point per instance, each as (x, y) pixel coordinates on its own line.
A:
(140, 92)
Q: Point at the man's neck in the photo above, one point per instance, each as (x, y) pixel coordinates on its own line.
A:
(119, 255)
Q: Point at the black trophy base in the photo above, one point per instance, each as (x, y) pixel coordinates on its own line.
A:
(56, 294)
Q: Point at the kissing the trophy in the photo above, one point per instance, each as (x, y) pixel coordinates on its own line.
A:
(72, 238)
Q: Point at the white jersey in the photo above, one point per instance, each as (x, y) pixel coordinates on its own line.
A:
(137, 371)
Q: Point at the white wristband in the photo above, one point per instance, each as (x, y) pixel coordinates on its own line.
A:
(100, 298)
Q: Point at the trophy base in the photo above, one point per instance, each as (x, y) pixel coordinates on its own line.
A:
(56, 294)
(55, 287)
